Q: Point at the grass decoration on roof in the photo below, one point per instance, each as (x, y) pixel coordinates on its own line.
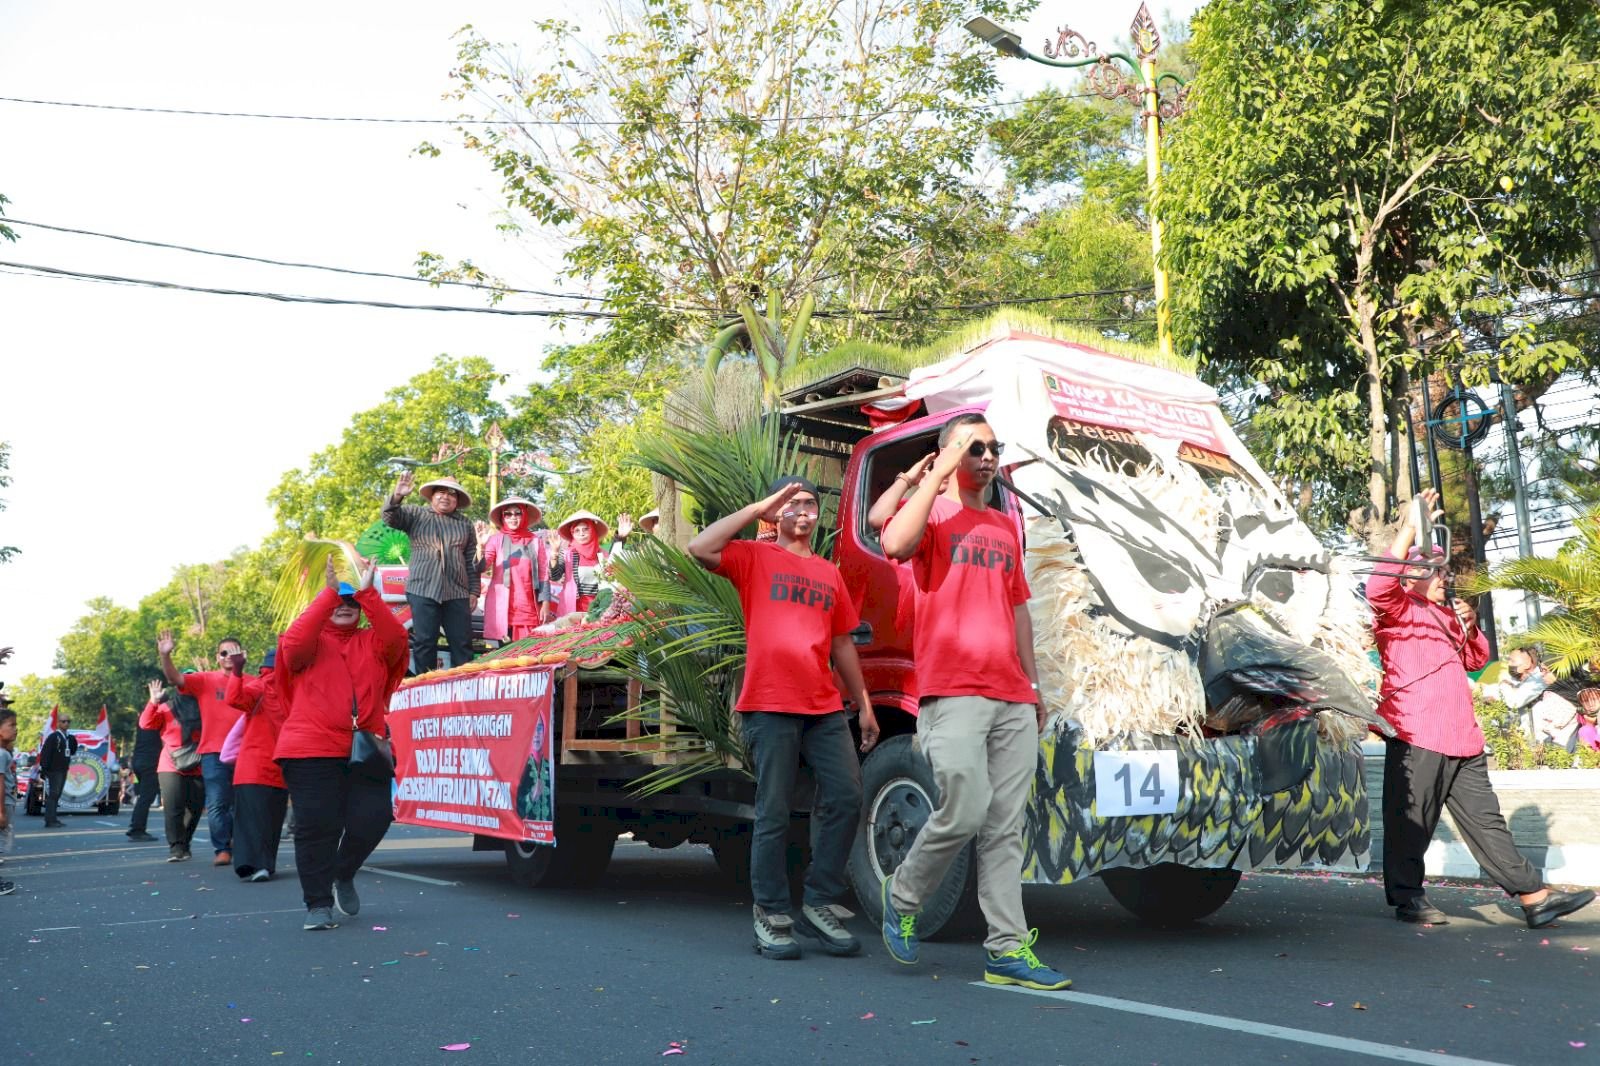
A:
(887, 358)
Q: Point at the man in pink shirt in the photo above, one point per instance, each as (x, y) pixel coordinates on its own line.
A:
(1427, 643)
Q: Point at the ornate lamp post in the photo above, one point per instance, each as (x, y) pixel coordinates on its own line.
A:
(1071, 49)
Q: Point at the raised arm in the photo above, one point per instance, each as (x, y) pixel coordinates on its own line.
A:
(243, 692)
(395, 515)
(1385, 592)
(884, 507)
(298, 645)
(707, 546)
(903, 536)
(165, 643)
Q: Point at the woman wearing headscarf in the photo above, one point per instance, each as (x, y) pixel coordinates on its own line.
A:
(183, 792)
(579, 564)
(335, 677)
(260, 798)
(518, 596)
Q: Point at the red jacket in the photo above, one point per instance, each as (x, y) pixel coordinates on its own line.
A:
(258, 698)
(327, 674)
(159, 716)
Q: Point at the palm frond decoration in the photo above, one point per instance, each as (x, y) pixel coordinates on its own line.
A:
(384, 544)
(303, 573)
(1571, 636)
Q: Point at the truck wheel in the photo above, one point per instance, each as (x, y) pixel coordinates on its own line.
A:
(898, 796)
(1169, 894)
(34, 804)
(582, 852)
(110, 808)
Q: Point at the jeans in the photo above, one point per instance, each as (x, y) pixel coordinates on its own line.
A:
(338, 821)
(257, 823)
(777, 742)
(427, 616)
(54, 782)
(183, 798)
(144, 794)
(218, 777)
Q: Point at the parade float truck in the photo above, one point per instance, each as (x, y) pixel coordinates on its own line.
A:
(1199, 651)
(93, 777)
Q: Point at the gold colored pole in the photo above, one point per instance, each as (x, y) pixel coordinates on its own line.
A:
(1152, 160)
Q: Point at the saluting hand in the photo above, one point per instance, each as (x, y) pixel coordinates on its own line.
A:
(950, 456)
(771, 508)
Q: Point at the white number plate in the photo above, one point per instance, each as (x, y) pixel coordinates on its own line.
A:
(1135, 782)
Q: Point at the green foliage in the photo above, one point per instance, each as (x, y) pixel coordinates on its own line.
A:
(384, 544)
(1508, 746)
(6, 553)
(343, 487)
(722, 467)
(1356, 180)
(6, 232)
(32, 697)
(1570, 637)
(611, 484)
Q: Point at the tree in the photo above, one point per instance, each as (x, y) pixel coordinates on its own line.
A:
(343, 487)
(1570, 637)
(105, 661)
(32, 697)
(6, 553)
(1353, 183)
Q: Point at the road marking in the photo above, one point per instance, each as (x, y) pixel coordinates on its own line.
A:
(113, 825)
(169, 918)
(410, 877)
(1242, 1025)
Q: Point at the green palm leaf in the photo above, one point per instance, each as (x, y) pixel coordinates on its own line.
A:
(1571, 637)
(303, 576)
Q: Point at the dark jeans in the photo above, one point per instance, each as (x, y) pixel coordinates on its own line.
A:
(338, 821)
(183, 799)
(144, 794)
(1417, 785)
(427, 616)
(54, 782)
(777, 743)
(257, 823)
(218, 776)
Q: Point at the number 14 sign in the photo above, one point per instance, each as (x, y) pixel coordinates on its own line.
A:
(1135, 782)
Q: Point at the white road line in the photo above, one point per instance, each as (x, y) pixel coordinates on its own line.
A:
(1242, 1025)
(113, 825)
(410, 877)
(169, 918)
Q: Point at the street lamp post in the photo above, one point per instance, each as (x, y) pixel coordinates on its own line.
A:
(1071, 49)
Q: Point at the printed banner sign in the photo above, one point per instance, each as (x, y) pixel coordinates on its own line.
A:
(476, 754)
(1134, 410)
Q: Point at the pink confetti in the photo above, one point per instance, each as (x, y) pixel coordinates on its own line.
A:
(454, 1047)
(868, 1016)
(513, 916)
(246, 1019)
(672, 1051)
(1319, 1003)
(1580, 949)
(380, 929)
(1577, 1043)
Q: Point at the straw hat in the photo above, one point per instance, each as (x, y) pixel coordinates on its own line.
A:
(450, 483)
(531, 512)
(602, 529)
(649, 521)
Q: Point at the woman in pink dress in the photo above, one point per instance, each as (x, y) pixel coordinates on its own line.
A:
(517, 595)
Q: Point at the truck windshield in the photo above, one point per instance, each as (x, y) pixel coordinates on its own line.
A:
(896, 457)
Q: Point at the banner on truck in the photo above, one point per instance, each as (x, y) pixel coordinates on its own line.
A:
(475, 753)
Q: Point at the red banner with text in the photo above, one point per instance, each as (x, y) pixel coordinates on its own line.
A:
(475, 753)
(1135, 410)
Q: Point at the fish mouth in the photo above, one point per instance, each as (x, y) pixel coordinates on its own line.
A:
(1255, 675)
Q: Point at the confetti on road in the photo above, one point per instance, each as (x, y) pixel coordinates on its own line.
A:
(415, 954)
(1358, 1006)
(673, 1048)
(380, 929)
(865, 1017)
(925, 1021)
(1580, 948)
(1320, 1003)
(1577, 1043)
(513, 916)
(244, 1021)
(454, 1047)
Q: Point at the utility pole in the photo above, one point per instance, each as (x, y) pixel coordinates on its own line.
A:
(1508, 415)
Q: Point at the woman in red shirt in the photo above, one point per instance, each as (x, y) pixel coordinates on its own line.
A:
(183, 793)
(335, 677)
(518, 594)
(260, 798)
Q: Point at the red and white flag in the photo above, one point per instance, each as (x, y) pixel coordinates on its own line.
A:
(102, 728)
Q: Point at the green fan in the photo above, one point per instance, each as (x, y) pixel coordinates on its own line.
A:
(384, 544)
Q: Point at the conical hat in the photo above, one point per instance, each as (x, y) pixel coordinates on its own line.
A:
(649, 521)
(446, 483)
(531, 518)
(602, 528)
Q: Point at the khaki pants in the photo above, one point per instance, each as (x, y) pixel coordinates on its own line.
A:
(983, 753)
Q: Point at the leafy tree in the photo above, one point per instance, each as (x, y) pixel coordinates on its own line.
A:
(6, 232)
(6, 553)
(1354, 182)
(1571, 636)
(105, 660)
(32, 697)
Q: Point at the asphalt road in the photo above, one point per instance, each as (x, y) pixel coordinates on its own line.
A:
(110, 955)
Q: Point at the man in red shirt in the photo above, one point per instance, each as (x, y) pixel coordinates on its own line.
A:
(209, 688)
(798, 617)
(980, 717)
(1435, 759)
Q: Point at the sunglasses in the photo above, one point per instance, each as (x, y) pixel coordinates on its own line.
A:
(977, 448)
(794, 509)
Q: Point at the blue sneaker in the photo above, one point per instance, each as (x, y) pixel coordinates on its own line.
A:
(1020, 966)
(899, 930)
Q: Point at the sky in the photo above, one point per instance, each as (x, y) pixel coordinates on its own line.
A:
(147, 426)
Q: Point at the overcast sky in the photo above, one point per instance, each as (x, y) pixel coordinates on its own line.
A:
(147, 426)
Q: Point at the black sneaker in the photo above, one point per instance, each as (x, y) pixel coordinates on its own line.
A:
(140, 835)
(775, 935)
(175, 855)
(1556, 905)
(822, 924)
(1421, 912)
(7, 887)
(345, 898)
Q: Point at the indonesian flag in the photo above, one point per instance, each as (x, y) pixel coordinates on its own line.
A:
(53, 722)
(890, 412)
(102, 728)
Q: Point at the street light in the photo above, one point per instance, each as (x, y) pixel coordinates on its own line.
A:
(1072, 49)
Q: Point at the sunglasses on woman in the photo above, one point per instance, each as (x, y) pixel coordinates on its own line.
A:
(977, 447)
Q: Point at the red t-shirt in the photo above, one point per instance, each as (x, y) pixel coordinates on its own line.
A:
(968, 571)
(210, 690)
(793, 608)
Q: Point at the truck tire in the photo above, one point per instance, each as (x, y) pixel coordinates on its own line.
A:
(34, 804)
(1170, 895)
(578, 859)
(898, 794)
(110, 807)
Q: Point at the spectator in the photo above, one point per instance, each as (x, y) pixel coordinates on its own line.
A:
(1589, 718)
(579, 564)
(1436, 758)
(980, 716)
(147, 783)
(183, 792)
(8, 789)
(798, 617)
(260, 797)
(55, 757)
(329, 669)
(443, 580)
(517, 597)
(209, 689)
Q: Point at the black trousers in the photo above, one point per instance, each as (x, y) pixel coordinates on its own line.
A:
(54, 782)
(338, 820)
(144, 794)
(258, 812)
(427, 616)
(1417, 785)
(183, 804)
